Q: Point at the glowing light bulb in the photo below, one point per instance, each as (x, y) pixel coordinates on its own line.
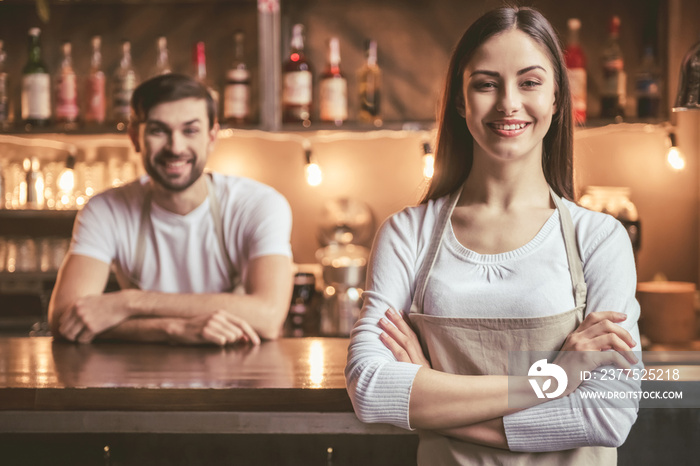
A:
(428, 161)
(314, 176)
(66, 180)
(675, 158)
(428, 165)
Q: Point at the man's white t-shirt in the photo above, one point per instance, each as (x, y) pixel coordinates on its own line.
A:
(182, 252)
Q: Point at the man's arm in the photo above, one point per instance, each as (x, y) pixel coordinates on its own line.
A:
(154, 316)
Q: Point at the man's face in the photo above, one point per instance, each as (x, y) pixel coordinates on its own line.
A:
(175, 141)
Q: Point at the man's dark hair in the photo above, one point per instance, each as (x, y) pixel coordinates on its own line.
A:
(169, 88)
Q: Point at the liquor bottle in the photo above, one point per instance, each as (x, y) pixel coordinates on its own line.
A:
(647, 86)
(4, 97)
(297, 82)
(369, 81)
(576, 69)
(66, 90)
(614, 89)
(199, 63)
(125, 81)
(333, 88)
(237, 90)
(162, 60)
(95, 100)
(301, 320)
(36, 85)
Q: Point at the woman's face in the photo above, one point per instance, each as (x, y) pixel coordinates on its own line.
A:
(509, 94)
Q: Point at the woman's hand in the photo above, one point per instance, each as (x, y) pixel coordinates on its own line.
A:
(402, 341)
(586, 348)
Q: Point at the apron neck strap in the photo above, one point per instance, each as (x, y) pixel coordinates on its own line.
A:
(145, 227)
(572, 253)
(568, 230)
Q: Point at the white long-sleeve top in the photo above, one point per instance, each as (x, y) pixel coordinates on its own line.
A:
(531, 281)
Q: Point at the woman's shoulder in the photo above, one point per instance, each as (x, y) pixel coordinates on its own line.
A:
(417, 217)
(593, 228)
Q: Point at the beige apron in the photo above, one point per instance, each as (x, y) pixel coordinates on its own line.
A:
(145, 227)
(481, 346)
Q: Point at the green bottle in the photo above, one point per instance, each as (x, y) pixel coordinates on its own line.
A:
(36, 86)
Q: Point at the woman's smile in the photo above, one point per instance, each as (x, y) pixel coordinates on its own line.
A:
(508, 128)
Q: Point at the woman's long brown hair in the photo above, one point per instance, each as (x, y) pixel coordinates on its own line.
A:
(454, 150)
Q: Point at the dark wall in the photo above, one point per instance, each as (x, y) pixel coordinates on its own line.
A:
(142, 22)
(415, 37)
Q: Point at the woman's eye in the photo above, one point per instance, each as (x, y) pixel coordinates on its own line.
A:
(485, 85)
(531, 83)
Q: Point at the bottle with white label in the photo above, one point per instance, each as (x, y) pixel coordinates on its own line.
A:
(125, 81)
(66, 91)
(237, 90)
(36, 86)
(333, 88)
(297, 82)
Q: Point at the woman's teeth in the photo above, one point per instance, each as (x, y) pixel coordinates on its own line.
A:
(510, 127)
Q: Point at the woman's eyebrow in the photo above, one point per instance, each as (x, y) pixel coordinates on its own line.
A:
(496, 74)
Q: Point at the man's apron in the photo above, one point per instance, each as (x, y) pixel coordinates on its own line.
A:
(145, 228)
(480, 346)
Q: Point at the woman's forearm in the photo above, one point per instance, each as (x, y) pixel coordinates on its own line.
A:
(445, 401)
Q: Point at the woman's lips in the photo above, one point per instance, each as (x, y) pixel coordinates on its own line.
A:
(509, 129)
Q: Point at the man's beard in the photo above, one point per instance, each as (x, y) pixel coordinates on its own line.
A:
(156, 176)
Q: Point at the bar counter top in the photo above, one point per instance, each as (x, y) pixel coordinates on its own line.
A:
(54, 386)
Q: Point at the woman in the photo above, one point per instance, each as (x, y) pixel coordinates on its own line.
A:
(493, 261)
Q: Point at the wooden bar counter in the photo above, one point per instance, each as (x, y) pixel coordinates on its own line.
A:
(293, 386)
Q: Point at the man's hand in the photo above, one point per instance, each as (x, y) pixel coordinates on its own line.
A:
(92, 315)
(220, 328)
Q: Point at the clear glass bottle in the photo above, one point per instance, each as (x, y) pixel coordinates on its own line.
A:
(66, 90)
(369, 82)
(36, 86)
(648, 86)
(333, 88)
(162, 60)
(576, 69)
(95, 99)
(297, 82)
(613, 93)
(125, 81)
(237, 90)
(4, 95)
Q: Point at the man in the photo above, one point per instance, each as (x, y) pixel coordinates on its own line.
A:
(179, 240)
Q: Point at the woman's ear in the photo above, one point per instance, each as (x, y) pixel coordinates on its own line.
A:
(459, 105)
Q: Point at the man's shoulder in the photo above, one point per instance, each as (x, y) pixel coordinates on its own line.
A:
(120, 197)
(241, 190)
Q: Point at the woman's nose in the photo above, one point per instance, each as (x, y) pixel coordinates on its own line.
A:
(508, 100)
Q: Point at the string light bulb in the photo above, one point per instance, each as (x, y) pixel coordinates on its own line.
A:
(674, 156)
(314, 175)
(66, 183)
(428, 161)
